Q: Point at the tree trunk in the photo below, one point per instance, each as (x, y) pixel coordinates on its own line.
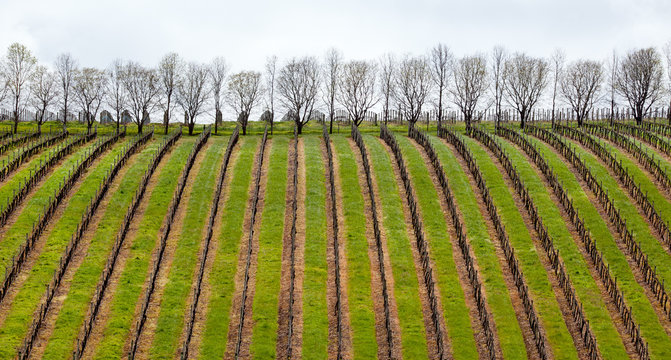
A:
(139, 127)
(244, 129)
(166, 118)
(299, 127)
(331, 122)
(192, 124)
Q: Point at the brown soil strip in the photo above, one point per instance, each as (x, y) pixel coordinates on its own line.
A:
(203, 302)
(342, 259)
(153, 310)
(234, 322)
(34, 254)
(571, 325)
(78, 258)
(610, 305)
(376, 277)
(625, 191)
(458, 254)
(299, 251)
(518, 307)
(431, 331)
(638, 276)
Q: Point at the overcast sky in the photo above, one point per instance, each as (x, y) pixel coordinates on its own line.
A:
(245, 32)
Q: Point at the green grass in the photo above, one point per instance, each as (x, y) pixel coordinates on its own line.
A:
(361, 314)
(644, 314)
(30, 293)
(406, 286)
(122, 308)
(455, 311)
(35, 205)
(83, 285)
(222, 275)
(540, 289)
(178, 286)
(315, 312)
(269, 261)
(498, 296)
(608, 340)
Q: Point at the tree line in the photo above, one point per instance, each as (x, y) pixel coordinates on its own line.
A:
(308, 87)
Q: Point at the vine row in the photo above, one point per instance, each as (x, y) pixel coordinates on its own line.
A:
(208, 237)
(506, 246)
(356, 136)
(105, 276)
(589, 244)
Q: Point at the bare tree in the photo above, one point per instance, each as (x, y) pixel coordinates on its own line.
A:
(356, 89)
(244, 91)
(470, 83)
(558, 58)
(169, 74)
(639, 80)
(44, 90)
(498, 60)
(581, 86)
(387, 76)
(89, 90)
(192, 92)
(116, 93)
(271, 69)
(412, 85)
(218, 71)
(667, 53)
(613, 65)
(441, 59)
(143, 87)
(4, 85)
(18, 68)
(332, 69)
(525, 78)
(66, 66)
(298, 86)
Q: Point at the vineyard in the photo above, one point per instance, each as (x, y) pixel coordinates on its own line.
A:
(547, 242)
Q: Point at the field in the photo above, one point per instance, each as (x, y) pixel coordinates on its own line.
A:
(552, 242)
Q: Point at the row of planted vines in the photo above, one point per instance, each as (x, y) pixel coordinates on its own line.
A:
(550, 242)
